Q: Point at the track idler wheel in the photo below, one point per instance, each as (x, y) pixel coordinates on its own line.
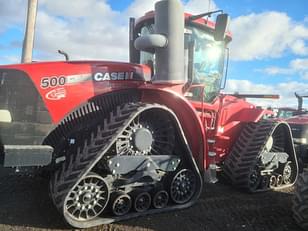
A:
(160, 199)
(183, 186)
(279, 180)
(142, 202)
(121, 204)
(264, 182)
(254, 179)
(272, 181)
(88, 199)
(287, 173)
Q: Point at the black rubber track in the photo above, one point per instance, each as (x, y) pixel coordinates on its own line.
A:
(243, 157)
(77, 165)
(83, 121)
(300, 201)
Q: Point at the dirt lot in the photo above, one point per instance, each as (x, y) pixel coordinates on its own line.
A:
(25, 205)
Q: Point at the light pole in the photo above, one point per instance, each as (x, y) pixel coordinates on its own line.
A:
(29, 33)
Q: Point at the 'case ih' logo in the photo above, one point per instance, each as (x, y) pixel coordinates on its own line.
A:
(100, 76)
(56, 94)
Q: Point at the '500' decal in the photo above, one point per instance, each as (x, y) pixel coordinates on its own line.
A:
(54, 81)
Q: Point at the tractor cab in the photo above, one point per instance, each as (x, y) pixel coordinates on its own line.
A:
(204, 53)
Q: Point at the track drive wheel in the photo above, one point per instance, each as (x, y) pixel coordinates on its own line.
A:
(300, 201)
(287, 173)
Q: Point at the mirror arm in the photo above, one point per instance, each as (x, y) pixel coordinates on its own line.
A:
(151, 42)
(190, 71)
(226, 72)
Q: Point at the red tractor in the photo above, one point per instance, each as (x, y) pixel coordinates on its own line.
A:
(121, 140)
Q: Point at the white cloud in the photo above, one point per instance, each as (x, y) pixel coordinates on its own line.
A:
(285, 90)
(300, 64)
(200, 6)
(267, 35)
(299, 47)
(139, 7)
(277, 71)
(91, 29)
(84, 29)
(7, 59)
(296, 67)
(12, 12)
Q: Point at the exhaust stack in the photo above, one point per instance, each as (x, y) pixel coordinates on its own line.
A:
(169, 21)
(167, 42)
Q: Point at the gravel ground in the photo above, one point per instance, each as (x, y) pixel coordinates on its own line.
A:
(25, 205)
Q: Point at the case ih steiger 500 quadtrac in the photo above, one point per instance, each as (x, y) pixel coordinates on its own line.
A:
(121, 140)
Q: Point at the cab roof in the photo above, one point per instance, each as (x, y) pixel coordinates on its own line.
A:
(201, 21)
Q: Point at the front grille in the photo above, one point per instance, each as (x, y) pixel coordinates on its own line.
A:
(30, 118)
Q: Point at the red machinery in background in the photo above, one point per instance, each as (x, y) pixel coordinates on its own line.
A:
(122, 140)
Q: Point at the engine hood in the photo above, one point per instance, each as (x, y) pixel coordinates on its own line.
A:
(64, 86)
(98, 70)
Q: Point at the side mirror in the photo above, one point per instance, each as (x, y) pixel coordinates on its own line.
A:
(5, 116)
(221, 26)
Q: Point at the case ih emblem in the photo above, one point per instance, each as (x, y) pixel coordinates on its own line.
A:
(105, 76)
(56, 94)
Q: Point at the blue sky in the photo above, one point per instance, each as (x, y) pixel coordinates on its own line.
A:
(269, 51)
(296, 10)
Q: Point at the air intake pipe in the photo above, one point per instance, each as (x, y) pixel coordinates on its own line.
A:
(167, 42)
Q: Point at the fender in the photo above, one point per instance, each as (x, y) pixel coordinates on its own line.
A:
(187, 115)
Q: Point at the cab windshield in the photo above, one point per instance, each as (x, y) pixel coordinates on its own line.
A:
(208, 62)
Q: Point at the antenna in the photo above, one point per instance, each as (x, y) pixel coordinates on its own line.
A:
(209, 9)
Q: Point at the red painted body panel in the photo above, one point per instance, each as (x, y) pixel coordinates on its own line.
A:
(229, 114)
(226, 113)
(187, 115)
(79, 86)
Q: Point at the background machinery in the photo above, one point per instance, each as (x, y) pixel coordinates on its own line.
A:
(287, 112)
(298, 121)
(121, 140)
